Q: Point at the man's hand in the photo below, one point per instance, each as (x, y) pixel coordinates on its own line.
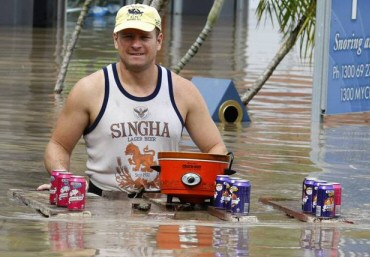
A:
(44, 187)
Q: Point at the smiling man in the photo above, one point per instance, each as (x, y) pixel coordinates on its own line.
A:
(129, 111)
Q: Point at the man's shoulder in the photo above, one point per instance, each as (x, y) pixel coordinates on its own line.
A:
(180, 81)
(91, 85)
(92, 80)
(183, 85)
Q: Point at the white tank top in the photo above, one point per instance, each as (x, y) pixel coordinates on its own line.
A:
(123, 142)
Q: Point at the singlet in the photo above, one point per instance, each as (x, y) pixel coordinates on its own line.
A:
(123, 142)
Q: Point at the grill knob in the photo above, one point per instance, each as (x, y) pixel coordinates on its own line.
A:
(191, 179)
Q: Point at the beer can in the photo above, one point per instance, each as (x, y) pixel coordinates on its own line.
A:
(337, 198)
(314, 194)
(240, 199)
(307, 194)
(53, 185)
(230, 192)
(221, 191)
(77, 193)
(325, 201)
(62, 189)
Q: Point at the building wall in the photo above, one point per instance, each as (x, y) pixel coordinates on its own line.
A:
(36, 13)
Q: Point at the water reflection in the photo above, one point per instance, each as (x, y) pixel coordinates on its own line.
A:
(66, 235)
(205, 240)
(319, 241)
(343, 154)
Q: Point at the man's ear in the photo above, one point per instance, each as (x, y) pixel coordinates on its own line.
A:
(115, 38)
(159, 41)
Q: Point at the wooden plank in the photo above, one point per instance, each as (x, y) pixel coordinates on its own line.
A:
(292, 208)
(203, 211)
(118, 203)
(289, 207)
(39, 200)
(228, 216)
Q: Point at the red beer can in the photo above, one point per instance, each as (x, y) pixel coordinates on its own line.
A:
(53, 183)
(337, 198)
(77, 193)
(62, 189)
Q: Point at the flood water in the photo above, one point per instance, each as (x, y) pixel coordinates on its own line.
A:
(275, 151)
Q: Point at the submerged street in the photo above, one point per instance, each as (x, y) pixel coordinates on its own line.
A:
(275, 151)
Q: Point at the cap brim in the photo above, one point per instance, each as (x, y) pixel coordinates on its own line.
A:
(134, 25)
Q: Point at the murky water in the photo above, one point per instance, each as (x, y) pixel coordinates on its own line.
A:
(275, 151)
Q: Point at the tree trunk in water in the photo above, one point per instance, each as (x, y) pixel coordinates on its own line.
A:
(160, 5)
(283, 51)
(211, 20)
(71, 45)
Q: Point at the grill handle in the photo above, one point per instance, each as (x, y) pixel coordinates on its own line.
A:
(156, 168)
(230, 171)
(231, 159)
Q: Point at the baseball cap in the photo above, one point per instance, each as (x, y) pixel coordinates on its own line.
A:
(137, 16)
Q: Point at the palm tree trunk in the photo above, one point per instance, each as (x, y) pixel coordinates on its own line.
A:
(71, 45)
(211, 21)
(303, 27)
(283, 51)
(160, 5)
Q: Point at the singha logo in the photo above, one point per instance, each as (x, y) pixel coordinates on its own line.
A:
(141, 112)
(135, 11)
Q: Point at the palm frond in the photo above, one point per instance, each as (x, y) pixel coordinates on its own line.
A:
(287, 14)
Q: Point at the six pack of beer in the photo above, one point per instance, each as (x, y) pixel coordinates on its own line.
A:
(321, 198)
(67, 190)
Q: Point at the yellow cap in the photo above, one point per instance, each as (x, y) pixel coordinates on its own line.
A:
(137, 16)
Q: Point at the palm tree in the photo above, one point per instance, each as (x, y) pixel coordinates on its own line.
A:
(212, 18)
(71, 45)
(296, 20)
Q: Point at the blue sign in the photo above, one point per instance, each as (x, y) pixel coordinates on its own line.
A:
(348, 87)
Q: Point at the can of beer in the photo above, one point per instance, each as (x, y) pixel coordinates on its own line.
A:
(53, 185)
(337, 198)
(325, 201)
(240, 200)
(77, 193)
(314, 193)
(62, 189)
(307, 194)
(227, 194)
(221, 191)
(230, 192)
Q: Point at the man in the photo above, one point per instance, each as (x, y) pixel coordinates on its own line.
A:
(129, 111)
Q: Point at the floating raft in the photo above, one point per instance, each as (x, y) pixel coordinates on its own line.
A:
(292, 208)
(119, 204)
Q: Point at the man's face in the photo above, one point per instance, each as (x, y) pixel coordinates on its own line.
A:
(137, 49)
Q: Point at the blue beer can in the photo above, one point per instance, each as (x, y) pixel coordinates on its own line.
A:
(307, 194)
(240, 198)
(325, 201)
(221, 191)
(230, 191)
(314, 193)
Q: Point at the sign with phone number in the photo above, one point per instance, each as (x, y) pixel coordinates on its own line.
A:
(348, 88)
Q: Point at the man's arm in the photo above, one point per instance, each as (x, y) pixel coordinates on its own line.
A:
(73, 120)
(69, 128)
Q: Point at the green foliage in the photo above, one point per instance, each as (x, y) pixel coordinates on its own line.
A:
(288, 13)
